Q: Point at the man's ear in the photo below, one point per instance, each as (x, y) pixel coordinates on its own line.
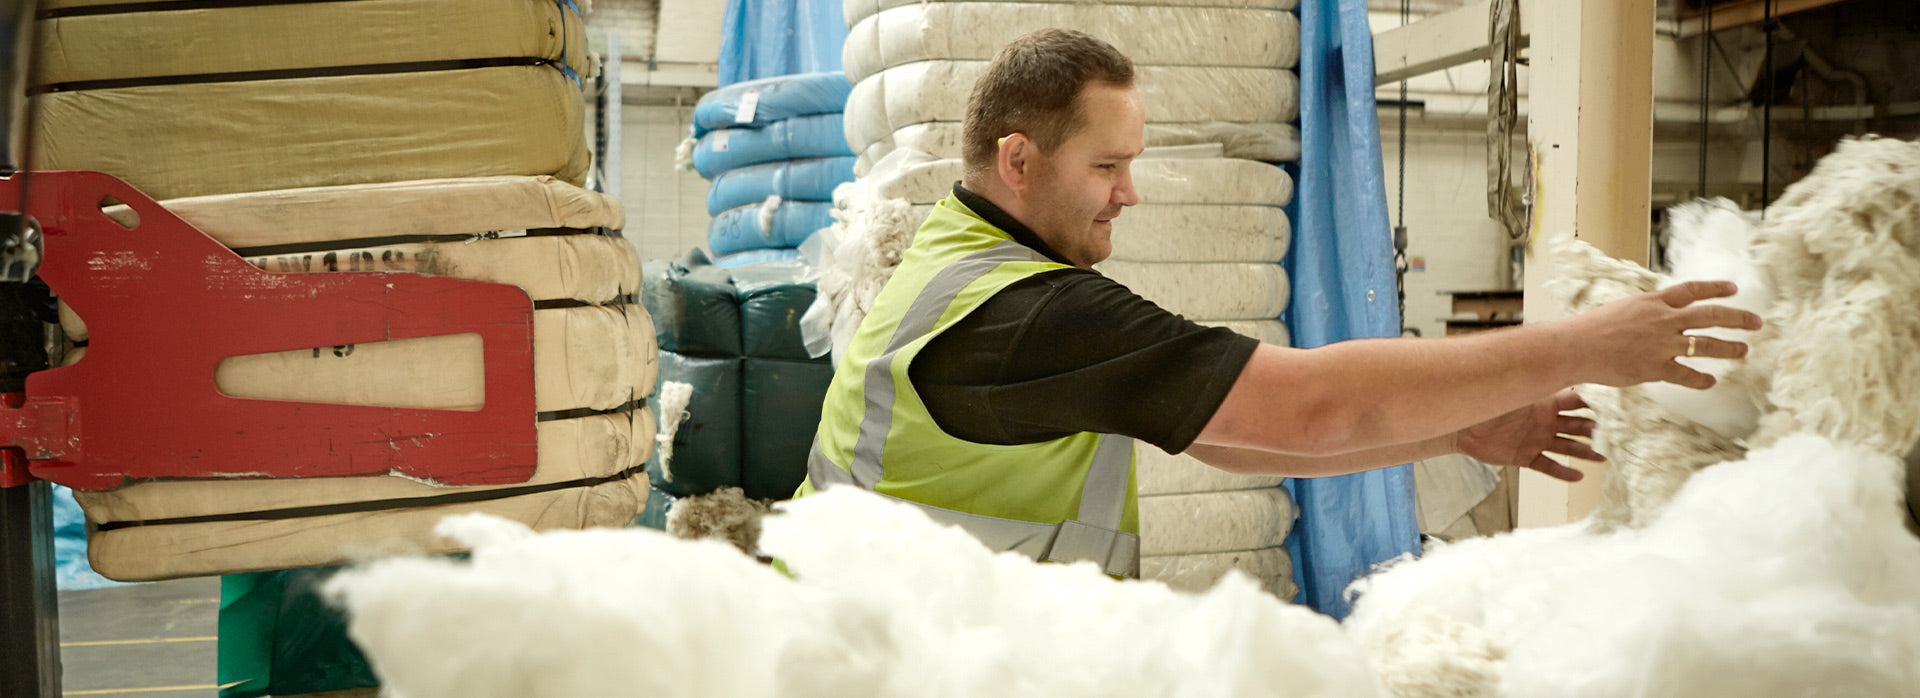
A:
(1014, 157)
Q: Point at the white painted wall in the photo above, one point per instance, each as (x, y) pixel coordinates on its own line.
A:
(1446, 216)
(666, 209)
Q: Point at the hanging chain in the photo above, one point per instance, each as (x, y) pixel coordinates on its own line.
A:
(1400, 265)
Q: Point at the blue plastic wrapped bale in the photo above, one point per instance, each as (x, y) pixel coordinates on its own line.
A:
(278, 637)
(763, 38)
(772, 254)
(71, 571)
(817, 136)
(781, 409)
(811, 179)
(772, 299)
(692, 304)
(706, 446)
(747, 228)
(756, 103)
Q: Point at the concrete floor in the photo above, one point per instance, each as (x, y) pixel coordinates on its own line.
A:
(141, 641)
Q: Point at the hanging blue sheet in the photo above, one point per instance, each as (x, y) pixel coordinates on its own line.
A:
(721, 150)
(739, 229)
(767, 100)
(812, 179)
(1343, 288)
(764, 38)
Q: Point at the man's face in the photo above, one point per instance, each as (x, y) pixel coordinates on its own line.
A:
(1074, 193)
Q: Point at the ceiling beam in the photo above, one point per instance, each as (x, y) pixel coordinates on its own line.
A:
(1441, 41)
(1728, 15)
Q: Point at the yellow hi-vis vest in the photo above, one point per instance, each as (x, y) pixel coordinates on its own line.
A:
(1063, 500)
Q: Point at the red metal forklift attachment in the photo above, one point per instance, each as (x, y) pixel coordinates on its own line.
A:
(164, 304)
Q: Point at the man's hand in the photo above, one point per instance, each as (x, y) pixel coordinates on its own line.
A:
(1524, 436)
(1635, 340)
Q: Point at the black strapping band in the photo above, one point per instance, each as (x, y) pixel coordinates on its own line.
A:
(288, 73)
(464, 497)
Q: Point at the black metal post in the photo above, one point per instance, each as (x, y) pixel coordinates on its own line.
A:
(29, 606)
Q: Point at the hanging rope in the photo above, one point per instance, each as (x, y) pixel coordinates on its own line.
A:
(1706, 79)
(1503, 113)
(1766, 116)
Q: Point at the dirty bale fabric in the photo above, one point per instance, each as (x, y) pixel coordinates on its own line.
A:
(217, 138)
(151, 41)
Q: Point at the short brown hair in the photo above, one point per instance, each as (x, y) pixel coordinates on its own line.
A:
(1033, 87)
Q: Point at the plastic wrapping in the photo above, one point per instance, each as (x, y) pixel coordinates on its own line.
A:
(1265, 141)
(820, 135)
(926, 92)
(1159, 472)
(764, 38)
(751, 228)
(706, 447)
(224, 137)
(1215, 522)
(811, 179)
(780, 409)
(1204, 291)
(294, 36)
(923, 179)
(857, 10)
(773, 254)
(772, 299)
(278, 637)
(1192, 36)
(1342, 262)
(767, 100)
(692, 306)
(1271, 567)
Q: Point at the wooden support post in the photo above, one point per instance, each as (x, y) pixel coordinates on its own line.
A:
(1590, 129)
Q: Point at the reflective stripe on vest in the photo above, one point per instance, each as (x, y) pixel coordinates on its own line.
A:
(1092, 535)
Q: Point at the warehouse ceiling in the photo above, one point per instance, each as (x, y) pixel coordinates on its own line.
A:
(663, 43)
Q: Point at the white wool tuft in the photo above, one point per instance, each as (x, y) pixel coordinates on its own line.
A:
(1757, 580)
(767, 209)
(674, 397)
(1713, 241)
(852, 259)
(683, 155)
(883, 603)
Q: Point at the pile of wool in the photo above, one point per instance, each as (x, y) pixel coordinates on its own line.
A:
(850, 260)
(1752, 540)
(881, 602)
(1788, 574)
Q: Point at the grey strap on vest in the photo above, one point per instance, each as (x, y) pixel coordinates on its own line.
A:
(1094, 535)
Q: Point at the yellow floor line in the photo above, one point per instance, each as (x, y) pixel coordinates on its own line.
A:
(97, 643)
(154, 689)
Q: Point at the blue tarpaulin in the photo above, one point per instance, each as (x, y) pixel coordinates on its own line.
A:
(764, 38)
(1343, 288)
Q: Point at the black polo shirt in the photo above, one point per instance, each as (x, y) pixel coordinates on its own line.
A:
(1070, 350)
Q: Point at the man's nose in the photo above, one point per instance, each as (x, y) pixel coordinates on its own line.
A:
(1124, 194)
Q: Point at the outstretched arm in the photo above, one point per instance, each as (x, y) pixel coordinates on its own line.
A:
(1522, 437)
(1362, 396)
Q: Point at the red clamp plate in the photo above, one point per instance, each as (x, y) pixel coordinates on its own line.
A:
(164, 304)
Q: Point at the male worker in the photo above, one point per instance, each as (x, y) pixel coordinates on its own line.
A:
(1000, 383)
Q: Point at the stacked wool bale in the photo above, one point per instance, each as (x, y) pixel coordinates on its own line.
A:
(733, 336)
(419, 136)
(774, 152)
(1206, 240)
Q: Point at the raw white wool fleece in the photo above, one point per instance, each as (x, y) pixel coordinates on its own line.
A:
(882, 603)
(1788, 574)
(1714, 241)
